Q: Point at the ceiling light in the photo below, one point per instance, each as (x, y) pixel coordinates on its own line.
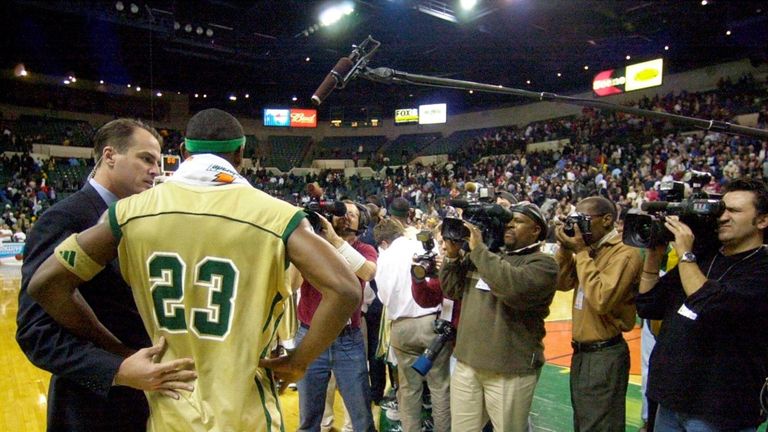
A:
(468, 4)
(119, 6)
(728, 33)
(704, 2)
(101, 81)
(307, 59)
(176, 25)
(20, 70)
(67, 82)
(188, 28)
(134, 8)
(628, 57)
(559, 74)
(527, 81)
(197, 95)
(129, 86)
(232, 98)
(294, 98)
(666, 47)
(205, 95)
(247, 95)
(209, 33)
(159, 94)
(471, 92)
(138, 89)
(199, 30)
(333, 14)
(586, 67)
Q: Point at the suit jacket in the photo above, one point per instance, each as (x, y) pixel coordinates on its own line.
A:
(81, 396)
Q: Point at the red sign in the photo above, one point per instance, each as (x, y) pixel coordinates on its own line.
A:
(605, 83)
(306, 118)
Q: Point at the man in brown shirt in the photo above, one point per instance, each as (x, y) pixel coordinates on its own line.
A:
(604, 274)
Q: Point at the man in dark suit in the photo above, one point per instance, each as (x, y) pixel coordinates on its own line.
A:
(90, 389)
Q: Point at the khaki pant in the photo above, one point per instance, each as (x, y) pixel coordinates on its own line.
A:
(409, 338)
(478, 394)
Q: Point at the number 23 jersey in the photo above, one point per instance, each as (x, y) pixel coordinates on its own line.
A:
(207, 268)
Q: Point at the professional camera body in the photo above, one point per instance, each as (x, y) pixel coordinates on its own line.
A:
(491, 218)
(445, 333)
(699, 211)
(426, 263)
(581, 220)
(327, 209)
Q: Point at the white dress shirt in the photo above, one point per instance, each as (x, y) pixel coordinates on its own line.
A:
(393, 279)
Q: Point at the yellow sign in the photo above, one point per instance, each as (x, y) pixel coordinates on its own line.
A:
(644, 75)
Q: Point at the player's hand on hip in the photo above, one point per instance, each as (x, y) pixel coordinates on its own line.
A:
(284, 368)
(143, 371)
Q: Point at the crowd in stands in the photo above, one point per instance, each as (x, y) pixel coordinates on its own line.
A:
(617, 155)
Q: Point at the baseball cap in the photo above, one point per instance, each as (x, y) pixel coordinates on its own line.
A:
(534, 212)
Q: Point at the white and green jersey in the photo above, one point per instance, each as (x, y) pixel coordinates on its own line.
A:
(207, 268)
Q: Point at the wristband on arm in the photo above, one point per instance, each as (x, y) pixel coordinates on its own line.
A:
(353, 257)
(73, 258)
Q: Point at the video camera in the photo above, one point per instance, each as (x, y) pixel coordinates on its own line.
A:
(491, 218)
(426, 263)
(445, 333)
(327, 209)
(700, 212)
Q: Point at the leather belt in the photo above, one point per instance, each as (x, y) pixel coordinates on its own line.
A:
(596, 346)
(347, 330)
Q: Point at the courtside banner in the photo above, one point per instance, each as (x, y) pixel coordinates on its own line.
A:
(304, 118)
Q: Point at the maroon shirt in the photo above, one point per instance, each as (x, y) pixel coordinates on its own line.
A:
(428, 293)
(310, 297)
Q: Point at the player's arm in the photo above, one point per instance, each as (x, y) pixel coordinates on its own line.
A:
(324, 268)
(54, 287)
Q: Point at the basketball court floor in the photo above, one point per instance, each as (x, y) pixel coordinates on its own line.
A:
(23, 387)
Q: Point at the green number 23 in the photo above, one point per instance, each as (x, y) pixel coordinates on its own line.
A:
(218, 275)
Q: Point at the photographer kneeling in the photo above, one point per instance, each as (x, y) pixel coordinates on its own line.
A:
(710, 360)
(505, 298)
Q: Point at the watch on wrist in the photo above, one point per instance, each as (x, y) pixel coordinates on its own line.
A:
(688, 257)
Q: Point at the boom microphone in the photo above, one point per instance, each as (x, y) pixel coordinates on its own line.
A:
(334, 79)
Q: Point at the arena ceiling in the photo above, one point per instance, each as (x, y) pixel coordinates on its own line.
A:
(275, 50)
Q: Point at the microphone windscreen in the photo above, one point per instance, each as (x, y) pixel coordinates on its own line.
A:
(343, 66)
(314, 190)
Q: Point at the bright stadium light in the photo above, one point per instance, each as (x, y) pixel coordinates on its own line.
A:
(333, 14)
(468, 4)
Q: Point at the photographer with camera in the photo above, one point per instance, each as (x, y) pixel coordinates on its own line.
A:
(710, 360)
(412, 330)
(346, 356)
(505, 297)
(604, 273)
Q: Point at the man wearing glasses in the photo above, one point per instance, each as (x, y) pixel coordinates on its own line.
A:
(604, 274)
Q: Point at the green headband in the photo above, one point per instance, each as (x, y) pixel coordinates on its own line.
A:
(213, 146)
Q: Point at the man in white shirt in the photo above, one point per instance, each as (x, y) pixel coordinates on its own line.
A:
(412, 329)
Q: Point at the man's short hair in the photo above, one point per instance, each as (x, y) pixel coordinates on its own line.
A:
(387, 230)
(213, 125)
(601, 205)
(400, 207)
(757, 187)
(117, 134)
